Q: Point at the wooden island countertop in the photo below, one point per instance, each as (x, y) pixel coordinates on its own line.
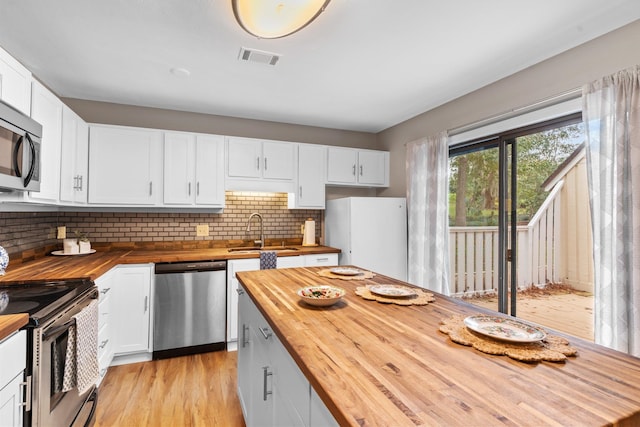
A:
(388, 365)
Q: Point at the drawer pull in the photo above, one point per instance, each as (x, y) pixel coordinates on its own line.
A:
(265, 375)
(245, 333)
(103, 344)
(266, 333)
(105, 290)
(240, 291)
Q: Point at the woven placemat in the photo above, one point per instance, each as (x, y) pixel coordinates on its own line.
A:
(420, 298)
(550, 349)
(327, 273)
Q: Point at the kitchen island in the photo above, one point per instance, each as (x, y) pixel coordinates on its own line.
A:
(389, 365)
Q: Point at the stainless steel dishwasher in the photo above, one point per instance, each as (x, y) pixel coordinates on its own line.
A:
(190, 308)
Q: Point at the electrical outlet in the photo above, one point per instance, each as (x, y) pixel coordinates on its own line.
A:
(202, 230)
(62, 232)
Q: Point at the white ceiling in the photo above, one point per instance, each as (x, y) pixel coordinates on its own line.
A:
(362, 65)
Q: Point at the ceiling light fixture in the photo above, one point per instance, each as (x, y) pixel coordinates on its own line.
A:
(272, 19)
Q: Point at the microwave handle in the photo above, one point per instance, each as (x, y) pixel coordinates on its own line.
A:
(32, 167)
(16, 150)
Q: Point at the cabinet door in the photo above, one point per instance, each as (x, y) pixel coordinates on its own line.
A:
(372, 167)
(262, 396)
(320, 415)
(46, 109)
(105, 285)
(278, 160)
(234, 266)
(311, 176)
(290, 388)
(245, 348)
(179, 170)
(210, 170)
(74, 158)
(15, 83)
(125, 165)
(10, 403)
(130, 308)
(244, 158)
(341, 165)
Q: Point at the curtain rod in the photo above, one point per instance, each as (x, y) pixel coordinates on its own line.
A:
(546, 102)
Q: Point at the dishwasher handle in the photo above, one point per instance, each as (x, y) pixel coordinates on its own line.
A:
(195, 266)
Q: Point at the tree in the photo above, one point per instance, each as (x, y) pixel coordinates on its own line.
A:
(473, 176)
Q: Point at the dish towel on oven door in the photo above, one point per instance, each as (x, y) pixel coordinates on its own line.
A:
(81, 367)
(268, 260)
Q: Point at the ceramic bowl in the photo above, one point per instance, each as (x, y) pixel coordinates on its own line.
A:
(321, 296)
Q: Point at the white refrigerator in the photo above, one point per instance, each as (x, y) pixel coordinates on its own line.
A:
(371, 232)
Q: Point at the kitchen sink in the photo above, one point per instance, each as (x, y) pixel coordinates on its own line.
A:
(277, 249)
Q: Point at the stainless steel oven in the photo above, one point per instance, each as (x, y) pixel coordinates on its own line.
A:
(51, 307)
(19, 150)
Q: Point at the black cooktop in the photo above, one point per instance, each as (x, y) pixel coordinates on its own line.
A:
(40, 299)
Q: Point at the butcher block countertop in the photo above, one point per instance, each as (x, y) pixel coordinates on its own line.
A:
(94, 265)
(12, 322)
(388, 365)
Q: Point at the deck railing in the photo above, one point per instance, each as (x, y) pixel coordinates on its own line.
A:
(473, 252)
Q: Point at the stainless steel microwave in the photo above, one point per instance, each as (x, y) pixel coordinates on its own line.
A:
(20, 138)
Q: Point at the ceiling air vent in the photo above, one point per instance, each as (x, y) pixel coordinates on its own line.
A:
(259, 56)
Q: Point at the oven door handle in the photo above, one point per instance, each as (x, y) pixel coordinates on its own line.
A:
(34, 160)
(55, 331)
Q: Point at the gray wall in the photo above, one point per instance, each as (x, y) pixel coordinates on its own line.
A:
(130, 115)
(605, 55)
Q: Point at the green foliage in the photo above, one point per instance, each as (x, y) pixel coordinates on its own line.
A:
(538, 156)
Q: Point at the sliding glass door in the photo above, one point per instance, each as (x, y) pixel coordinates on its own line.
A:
(515, 211)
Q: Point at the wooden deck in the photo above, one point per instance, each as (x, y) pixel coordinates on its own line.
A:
(565, 310)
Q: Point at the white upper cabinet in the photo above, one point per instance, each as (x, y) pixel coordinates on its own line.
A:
(260, 165)
(125, 165)
(46, 109)
(350, 166)
(310, 192)
(193, 169)
(74, 160)
(15, 83)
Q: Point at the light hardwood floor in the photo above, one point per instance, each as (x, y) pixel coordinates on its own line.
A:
(565, 310)
(198, 390)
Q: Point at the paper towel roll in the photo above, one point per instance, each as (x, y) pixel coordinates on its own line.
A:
(309, 235)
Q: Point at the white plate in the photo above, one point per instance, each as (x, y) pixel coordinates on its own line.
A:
(345, 271)
(61, 253)
(504, 329)
(391, 291)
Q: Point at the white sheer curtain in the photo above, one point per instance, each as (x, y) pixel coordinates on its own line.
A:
(427, 205)
(611, 112)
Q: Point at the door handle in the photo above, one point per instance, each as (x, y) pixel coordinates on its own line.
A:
(151, 188)
(27, 394)
(360, 170)
(189, 189)
(32, 166)
(354, 170)
(105, 290)
(245, 330)
(146, 303)
(265, 163)
(265, 375)
(258, 163)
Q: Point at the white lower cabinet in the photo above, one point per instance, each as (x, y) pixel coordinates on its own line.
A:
(234, 266)
(13, 356)
(271, 388)
(320, 260)
(105, 284)
(251, 264)
(319, 414)
(130, 308)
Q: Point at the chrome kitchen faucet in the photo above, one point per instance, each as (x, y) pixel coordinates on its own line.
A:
(261, 241)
